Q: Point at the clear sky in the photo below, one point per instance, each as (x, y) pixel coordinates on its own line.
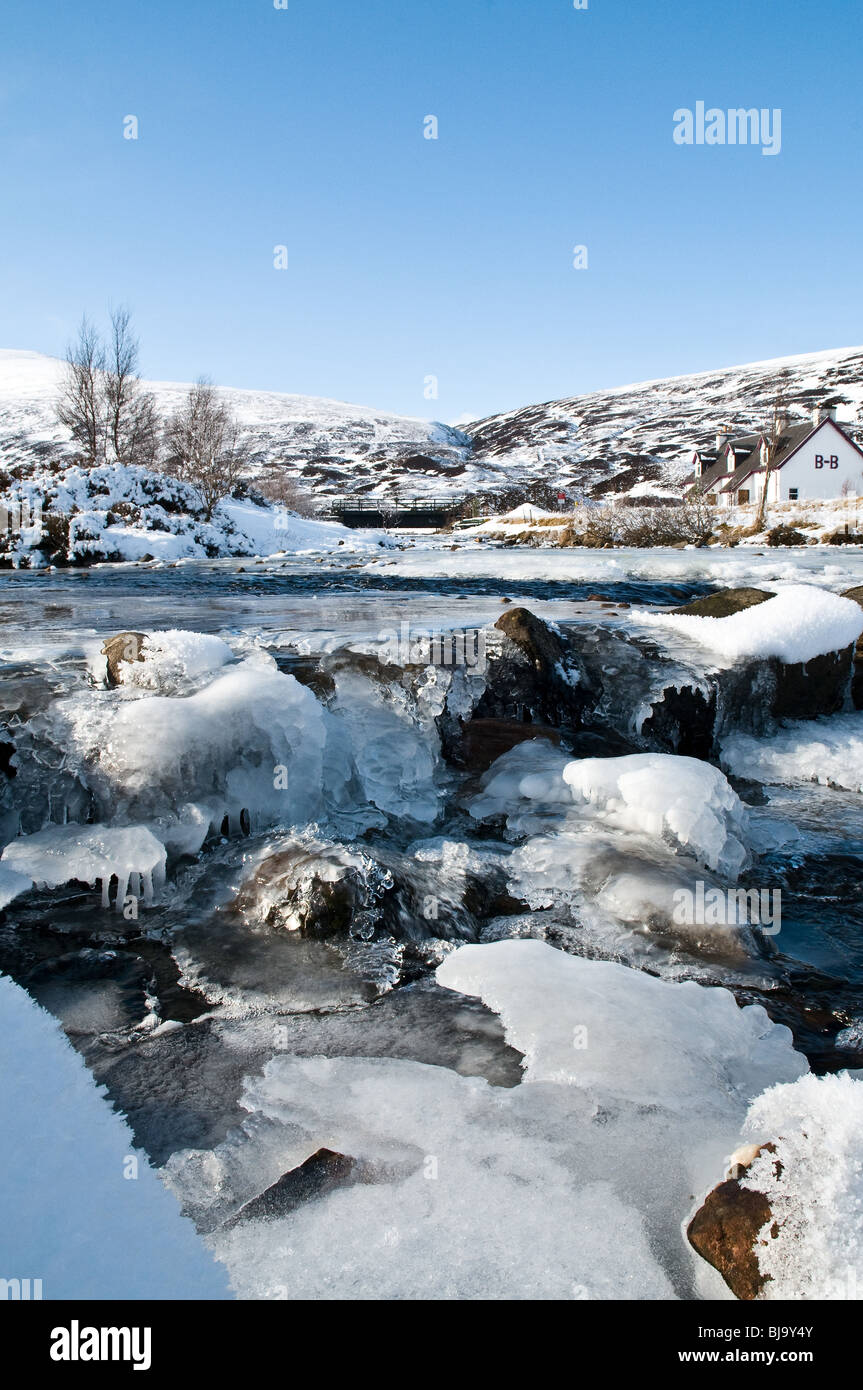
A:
(407, 257)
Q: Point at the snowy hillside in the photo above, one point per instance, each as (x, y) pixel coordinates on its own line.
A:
(331, 447)
(615, 440)
(621, 440)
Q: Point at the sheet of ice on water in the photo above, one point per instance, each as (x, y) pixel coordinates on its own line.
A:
(80, 1209)
(569, 1185)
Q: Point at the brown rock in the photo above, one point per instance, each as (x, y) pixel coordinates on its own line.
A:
(124, 646)
(723, 603)
(542, 646)
(725, 1231)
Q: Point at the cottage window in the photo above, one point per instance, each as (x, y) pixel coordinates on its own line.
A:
(792, 494)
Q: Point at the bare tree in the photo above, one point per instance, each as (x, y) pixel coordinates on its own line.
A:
(772, 438)
(102, 402)
(287, 492)
(204, 447)
(132, 423)
(79, 407)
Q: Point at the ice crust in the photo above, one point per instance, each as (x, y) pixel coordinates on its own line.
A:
(468, 1190)
(829, 751)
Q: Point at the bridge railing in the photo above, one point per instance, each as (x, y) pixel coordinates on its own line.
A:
(392, 504)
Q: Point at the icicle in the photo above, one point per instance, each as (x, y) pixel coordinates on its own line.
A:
(122, 890)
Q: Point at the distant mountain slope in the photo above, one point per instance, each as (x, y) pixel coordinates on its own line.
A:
(611, 440)
(622, 440)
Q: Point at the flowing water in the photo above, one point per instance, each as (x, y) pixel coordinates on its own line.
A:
(173, 1007)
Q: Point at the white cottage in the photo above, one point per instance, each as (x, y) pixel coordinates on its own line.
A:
(814, 462)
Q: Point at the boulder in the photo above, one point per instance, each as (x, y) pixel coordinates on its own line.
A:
(532, 685)
(123, 646)
(723, 603)
(725, 1231)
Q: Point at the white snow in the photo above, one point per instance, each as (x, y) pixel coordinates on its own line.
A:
(800, 622)
(816, 1198)
(80, 1208)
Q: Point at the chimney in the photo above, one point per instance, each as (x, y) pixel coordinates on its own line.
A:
(823, 412)
(723, 434)
(781, 421)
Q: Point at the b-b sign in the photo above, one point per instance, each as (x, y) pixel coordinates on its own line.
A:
(833, 461)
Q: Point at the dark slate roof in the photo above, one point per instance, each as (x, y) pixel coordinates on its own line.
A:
(717, 469)
(788, 441)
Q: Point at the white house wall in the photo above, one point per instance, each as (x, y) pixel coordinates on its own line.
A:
(841, 467)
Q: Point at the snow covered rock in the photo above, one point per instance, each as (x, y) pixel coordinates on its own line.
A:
(788, 1226)
(122, 647)
(797, 624)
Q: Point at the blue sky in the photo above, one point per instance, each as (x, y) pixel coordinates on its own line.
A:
(407, 257)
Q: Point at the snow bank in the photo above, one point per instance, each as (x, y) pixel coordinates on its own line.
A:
(80, 1209)
(799, 623)
(829, 751)
(816, 1198)
(90, 854)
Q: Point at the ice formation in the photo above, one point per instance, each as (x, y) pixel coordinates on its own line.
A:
(81, 1209)
(680, 800)
(829, 751)
(252, 741)
(173, 659)
(800, 622)
(91, 854)
(466, 1190)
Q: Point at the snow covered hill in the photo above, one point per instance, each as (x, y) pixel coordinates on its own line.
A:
(621, 440)
(630, 439)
